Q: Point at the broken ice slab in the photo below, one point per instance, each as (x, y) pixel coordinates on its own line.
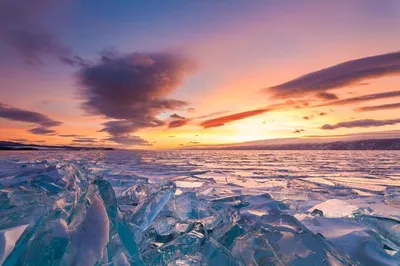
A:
(280, 239)
(8, 238)
(356, 237)
(98, 231)
(143, 216)
(216, 254)
(392, 197)
(89, 234)
(188, 244)
(334, 208)
(388, 228)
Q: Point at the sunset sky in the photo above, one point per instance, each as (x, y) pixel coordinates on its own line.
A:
(170, 74)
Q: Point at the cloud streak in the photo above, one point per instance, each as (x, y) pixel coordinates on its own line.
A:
(326, 96)
(178, 123)
(340, 75)
(44, 122)
(361, 123)
(364, 98)
(42, 131)
(176, 116)
(220, 121)
(85, 140)
(378, 107)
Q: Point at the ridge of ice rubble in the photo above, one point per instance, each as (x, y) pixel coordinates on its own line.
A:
(64, 213)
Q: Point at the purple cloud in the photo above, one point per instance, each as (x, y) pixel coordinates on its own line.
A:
(44, 122)
(176, 116)
(379, 107)
(132, 90)
(326, 96)
(85, 140)
(341, 75)
(42, 131)
(361, 123)
(178, 123)
(364, 98)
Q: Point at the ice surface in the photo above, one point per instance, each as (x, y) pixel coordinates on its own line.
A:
(334, 208)
(8, 238)
(199, 208)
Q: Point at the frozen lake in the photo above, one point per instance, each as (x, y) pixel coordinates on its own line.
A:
(201, 207)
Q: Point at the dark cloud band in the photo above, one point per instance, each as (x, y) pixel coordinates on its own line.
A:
(341, 75)
(378, 107)
(44, 122)
(361, 123)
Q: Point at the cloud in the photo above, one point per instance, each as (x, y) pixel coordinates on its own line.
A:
(220, 121)
(326, 96)
(341, 75)
(119, 131)
(363, 98)
(178, 123)
(15, 114)
(322, 113)
(378, 107)
(70, 135)
(361, 123)
(42, 131)
(176, 116)
(132, 89)
(75, 61)
(211, 114)
(191, 110)
(298, 130)
(22, 33)
(307, 117)
(129, 140)
(34, 46)
(44, 122)
(85, 140)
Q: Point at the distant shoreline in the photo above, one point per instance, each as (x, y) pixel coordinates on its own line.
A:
(369, 144)
(16, 146)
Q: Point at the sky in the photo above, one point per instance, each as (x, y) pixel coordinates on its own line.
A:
(169, 74)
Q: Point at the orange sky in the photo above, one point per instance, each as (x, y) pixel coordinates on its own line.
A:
(235, 60)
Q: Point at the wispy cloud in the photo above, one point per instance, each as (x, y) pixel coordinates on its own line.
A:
(378, 107)
(361, 123)
(44, 122)
(220, 121)
(326, 96)
(70, 135)
(178, 123)
(341, 75)
(85, 140)
(176, 116)
(42, 131)
(364, 98)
